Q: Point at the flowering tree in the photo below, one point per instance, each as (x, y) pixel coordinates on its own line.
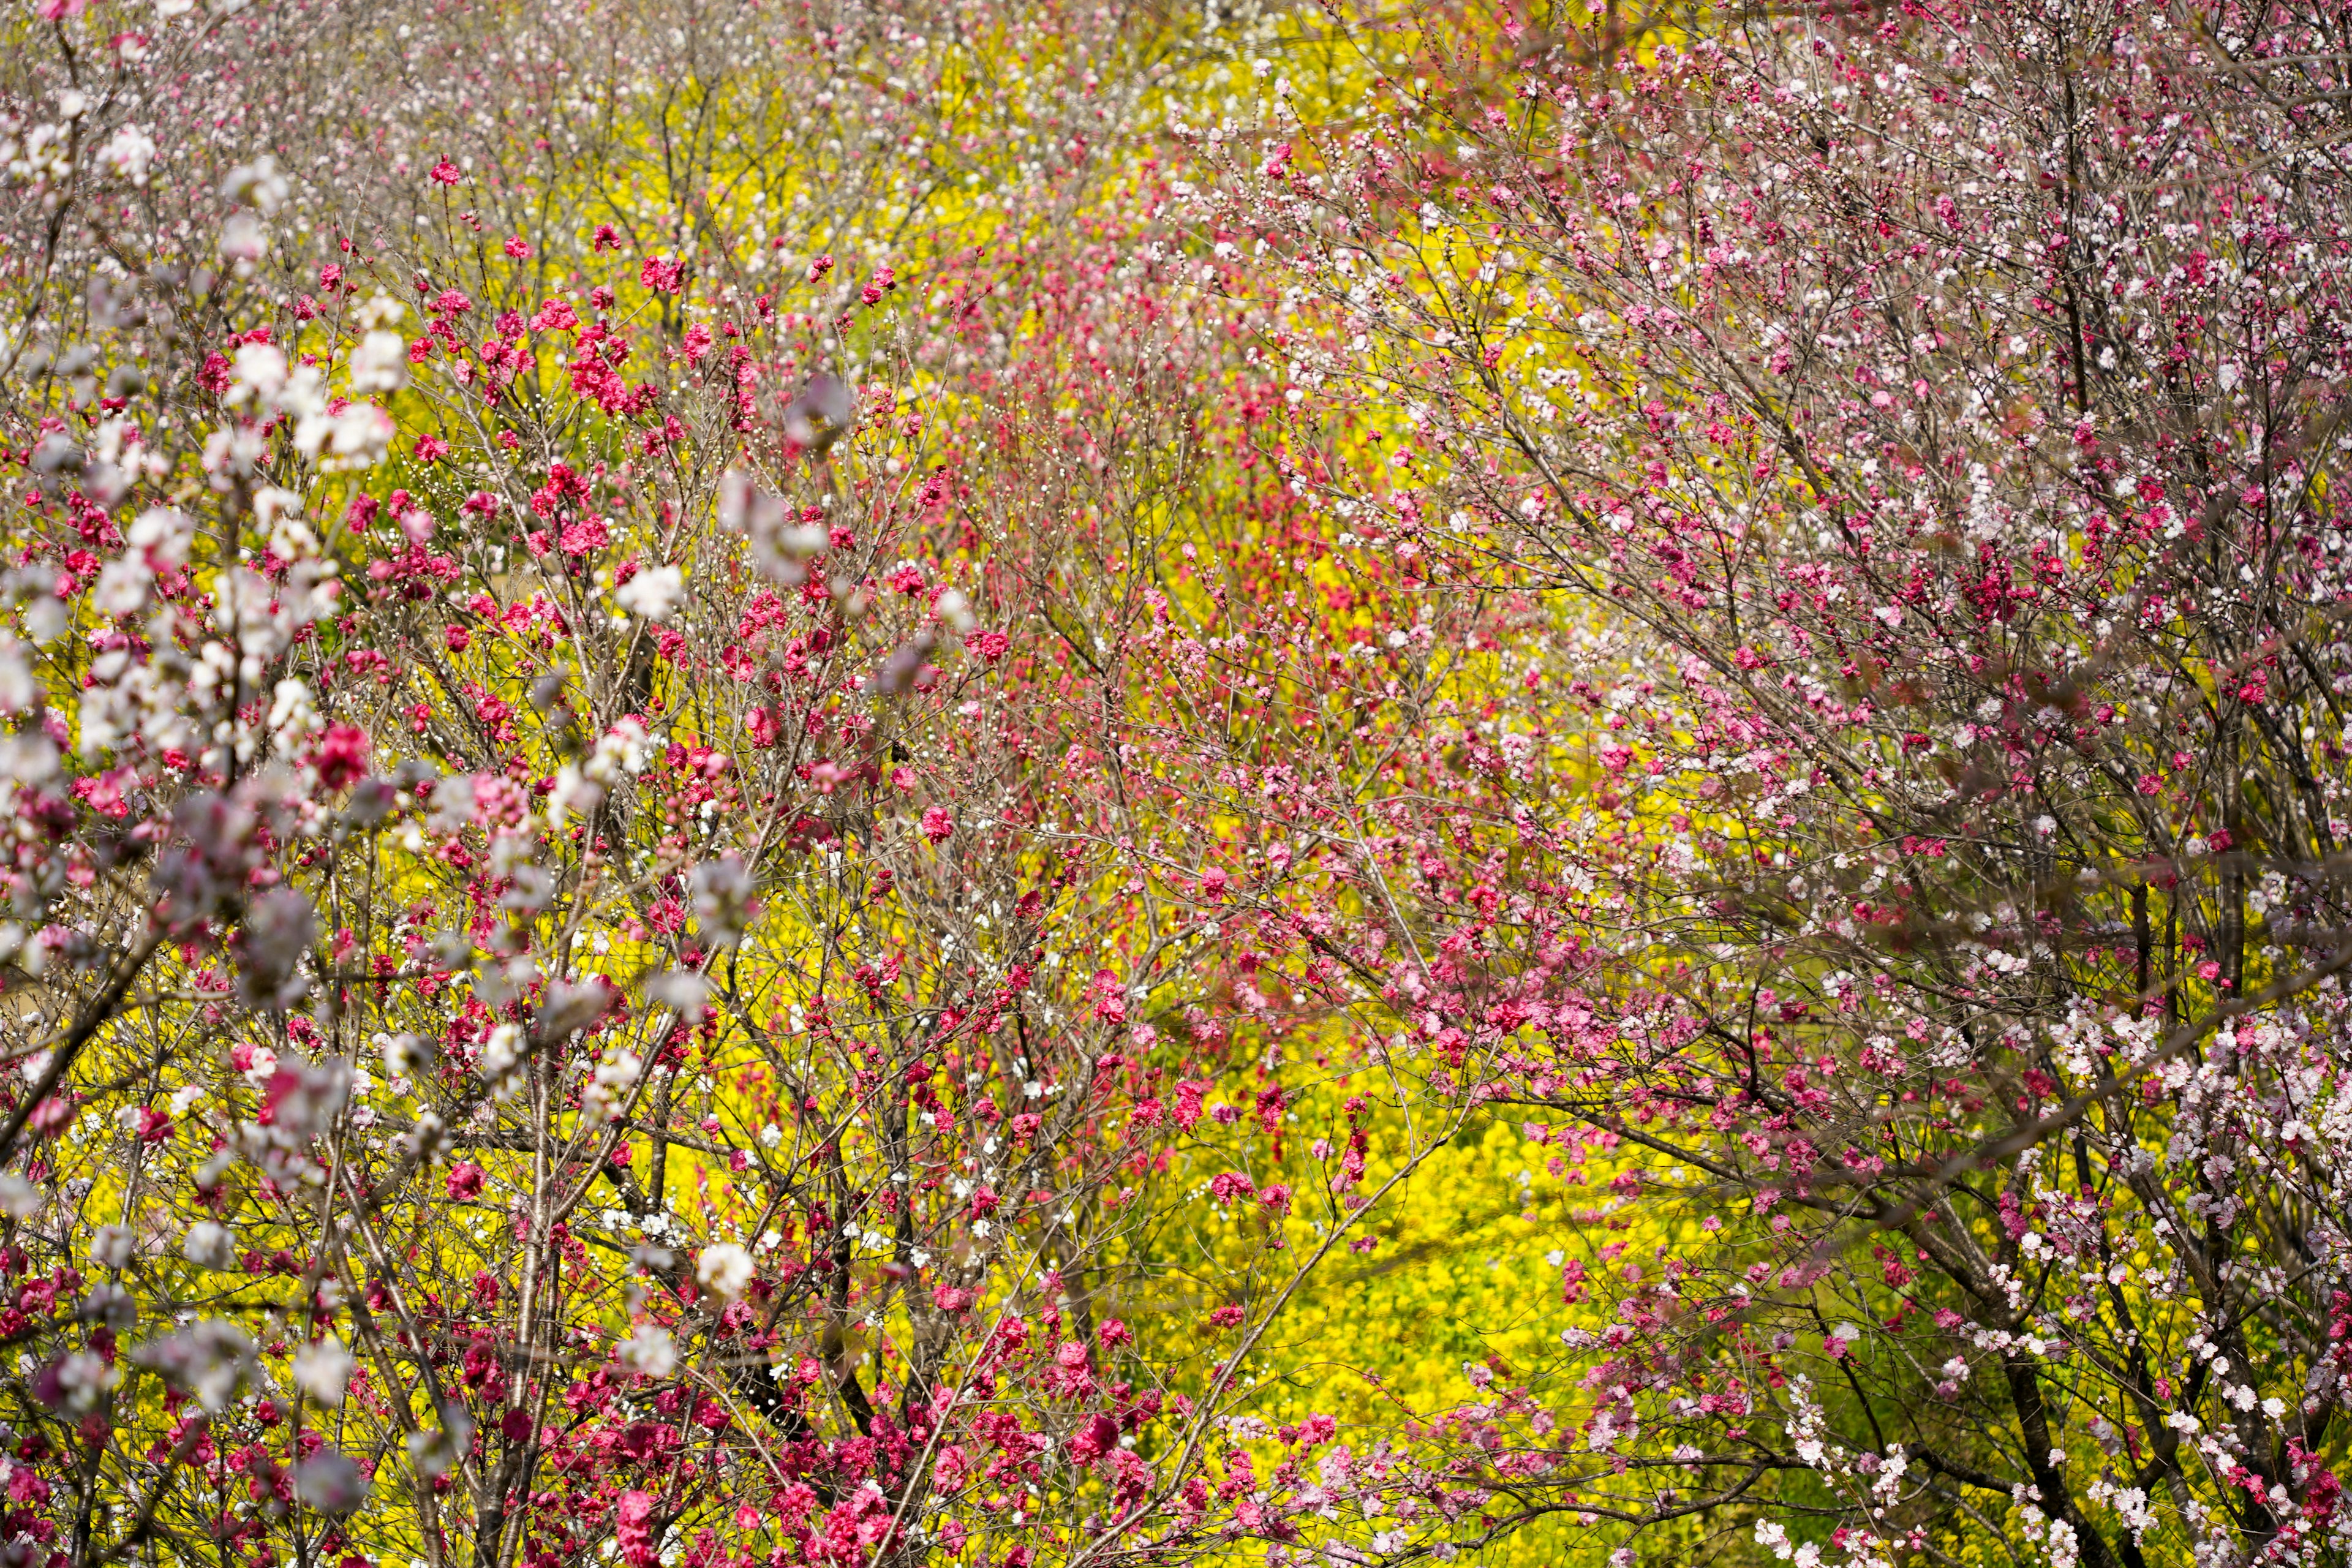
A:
(1928, 422)
(762, 771)
(580, 972)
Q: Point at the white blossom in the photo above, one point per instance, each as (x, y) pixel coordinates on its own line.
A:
(649, 1350)
(322, 1369)
(724, 1270)
(653, 592)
